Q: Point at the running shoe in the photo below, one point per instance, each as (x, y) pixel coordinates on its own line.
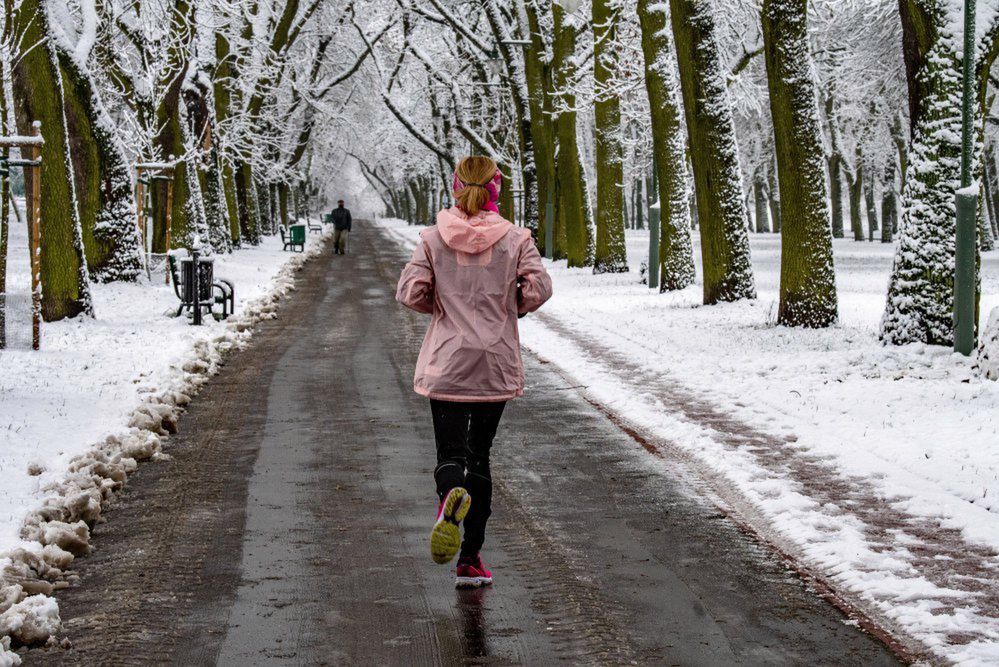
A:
(445, 538)
(472, 573)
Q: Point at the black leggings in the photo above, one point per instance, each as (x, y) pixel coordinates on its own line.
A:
(464, 434)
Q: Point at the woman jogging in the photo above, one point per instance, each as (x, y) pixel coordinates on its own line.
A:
(475, 273)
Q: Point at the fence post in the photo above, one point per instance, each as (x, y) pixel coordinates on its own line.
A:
(35, 238)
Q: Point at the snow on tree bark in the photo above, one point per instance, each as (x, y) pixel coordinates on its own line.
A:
(728, 272)
(38, 96)
(676, 255)
(807, 278)
(920, 302)
(610, 255)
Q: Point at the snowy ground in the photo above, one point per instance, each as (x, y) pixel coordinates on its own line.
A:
(876, 467)
(91, 375)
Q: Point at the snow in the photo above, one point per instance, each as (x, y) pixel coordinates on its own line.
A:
(77, 415)
(32, 620)
(988, 348)
(876, 466)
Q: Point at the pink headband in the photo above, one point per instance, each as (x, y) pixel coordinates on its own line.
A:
(493, 187)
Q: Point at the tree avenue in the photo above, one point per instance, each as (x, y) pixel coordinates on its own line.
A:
(821, 121)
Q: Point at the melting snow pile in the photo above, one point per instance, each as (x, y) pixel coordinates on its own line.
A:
(100, 396)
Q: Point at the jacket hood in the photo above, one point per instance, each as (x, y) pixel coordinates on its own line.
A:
(471, 234)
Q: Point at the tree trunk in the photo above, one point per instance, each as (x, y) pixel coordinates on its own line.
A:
(247, 208)
(773, 198)
(728, 272)
(835, 165)
(573, 203)
(807, 278)
(920, 303)
(872, 209)
(855, 183)
(676, 255)
(263, 192)
(105, 199)
(993, 176)
(283, 202)
(188, 219)
(38, 95)
(610, 256)
(223, 101)
(520, 97)
(889, 204)
(760, 200)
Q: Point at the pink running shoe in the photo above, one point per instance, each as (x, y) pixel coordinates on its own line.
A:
(472, 573)
(445, 538)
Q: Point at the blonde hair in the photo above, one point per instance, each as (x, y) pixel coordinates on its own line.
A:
(475, 172)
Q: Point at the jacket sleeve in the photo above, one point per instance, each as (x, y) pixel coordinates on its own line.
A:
(349, 220)
(533, 282)
(416, 284)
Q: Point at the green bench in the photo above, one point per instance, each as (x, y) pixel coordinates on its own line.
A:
(293, 237)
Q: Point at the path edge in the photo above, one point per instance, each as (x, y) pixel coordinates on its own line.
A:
(57, 531)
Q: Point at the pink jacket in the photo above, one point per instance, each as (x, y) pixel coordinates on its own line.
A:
(474, 275)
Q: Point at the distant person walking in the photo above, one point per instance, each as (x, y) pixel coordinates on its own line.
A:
(341, 227)
(475, 273)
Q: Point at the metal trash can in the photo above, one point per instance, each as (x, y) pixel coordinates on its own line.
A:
(206, 276)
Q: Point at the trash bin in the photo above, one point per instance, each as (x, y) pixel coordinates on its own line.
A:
(206, 275)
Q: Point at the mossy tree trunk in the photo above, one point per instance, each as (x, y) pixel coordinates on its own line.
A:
(727, 270)
(610, 255)
(807, 278)
(38, 96)
(573, 202)
(223, 106)
(105, 199)
(676, 256)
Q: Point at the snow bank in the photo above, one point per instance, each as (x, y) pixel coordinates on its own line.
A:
(100, 396)
(876, 467)
(988, 348)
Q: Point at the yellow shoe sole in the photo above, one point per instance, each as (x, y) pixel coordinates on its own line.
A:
(445, 538)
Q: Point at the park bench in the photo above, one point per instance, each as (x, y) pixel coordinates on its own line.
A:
(214, 292)
(314, 225)
(293, 237)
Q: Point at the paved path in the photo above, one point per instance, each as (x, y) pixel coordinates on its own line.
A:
(290, 527)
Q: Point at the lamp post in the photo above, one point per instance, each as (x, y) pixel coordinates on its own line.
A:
(966, 241)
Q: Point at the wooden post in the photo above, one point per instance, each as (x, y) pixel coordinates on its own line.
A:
(139, 209)
(35, 237)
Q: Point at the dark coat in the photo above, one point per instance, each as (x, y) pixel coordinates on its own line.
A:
(341, 218)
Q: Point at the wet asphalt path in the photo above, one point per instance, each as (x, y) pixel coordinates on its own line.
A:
(290, 527)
